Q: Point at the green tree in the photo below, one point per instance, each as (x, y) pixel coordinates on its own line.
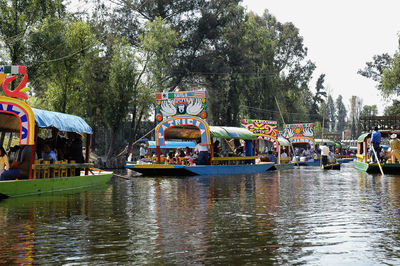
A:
(331, 113)
(123, 74)
(355, 111)
(369, 110)
(341, 114)
(17, 18)
(318, 98)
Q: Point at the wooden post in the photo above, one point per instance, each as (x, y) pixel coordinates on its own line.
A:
(158, 154)
(211, 152)
(87, 155)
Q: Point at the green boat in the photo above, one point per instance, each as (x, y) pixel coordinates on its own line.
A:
(18, 118)
(362, 161)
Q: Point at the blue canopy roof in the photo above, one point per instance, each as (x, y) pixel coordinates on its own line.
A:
(61, 121)
(173, 144)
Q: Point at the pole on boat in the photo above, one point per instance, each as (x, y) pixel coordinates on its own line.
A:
(322, 138)
(87, 151)
(376, 157)
(290, 143)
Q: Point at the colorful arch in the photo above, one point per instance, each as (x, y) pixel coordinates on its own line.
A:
(307, 140)
(271, 139)
(25, 115)
(184, 120)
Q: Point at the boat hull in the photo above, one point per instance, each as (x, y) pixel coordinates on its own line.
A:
(373, 168)
(282, 166)
(178, 170)
(16, 188)
(331, 166)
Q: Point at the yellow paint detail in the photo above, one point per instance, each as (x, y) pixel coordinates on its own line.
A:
(159, 166)
(2, 77)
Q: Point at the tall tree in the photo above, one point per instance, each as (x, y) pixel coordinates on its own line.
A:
(341, 114)
(317, 99)
(331, 113)
(355, 111)
(17, 18)
(369, 110)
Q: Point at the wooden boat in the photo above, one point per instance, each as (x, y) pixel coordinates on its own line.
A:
(266, 132)
(17, 117)
(331, 166)
(362, 161)
(192, 128)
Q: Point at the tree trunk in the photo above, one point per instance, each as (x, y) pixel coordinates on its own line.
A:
(113, 139)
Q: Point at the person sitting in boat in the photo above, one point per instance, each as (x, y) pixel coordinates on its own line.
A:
(19, 169)
(49, 154)
(57, 142)
(284, 154)
(324, 153)
(271, 157)
(202, 152)
(394, 144)
(170, 159)
(4, 164)
(12, 153)
(188, 152)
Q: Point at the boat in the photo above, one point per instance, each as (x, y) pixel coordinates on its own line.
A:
(362, 161)
(17, 117)
(331, 166)
(182, 116)
(266, 132)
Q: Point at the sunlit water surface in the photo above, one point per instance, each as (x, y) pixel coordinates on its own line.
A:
(301, 216)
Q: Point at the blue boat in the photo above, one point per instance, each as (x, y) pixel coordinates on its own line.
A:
(190, 128)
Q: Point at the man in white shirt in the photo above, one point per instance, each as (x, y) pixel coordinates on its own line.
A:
(324, 153)
(202, 150)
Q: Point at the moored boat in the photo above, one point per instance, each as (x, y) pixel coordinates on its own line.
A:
(17, 117)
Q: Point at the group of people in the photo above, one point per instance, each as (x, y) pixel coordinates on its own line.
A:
(16, 163)
(392, 155)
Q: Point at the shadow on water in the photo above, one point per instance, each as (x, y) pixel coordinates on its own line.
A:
(299, 216)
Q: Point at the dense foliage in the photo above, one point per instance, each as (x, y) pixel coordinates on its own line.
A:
(106, 60)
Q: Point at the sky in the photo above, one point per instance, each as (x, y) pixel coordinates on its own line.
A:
(341, 36)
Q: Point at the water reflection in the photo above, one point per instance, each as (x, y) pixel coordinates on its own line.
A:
(299, 216)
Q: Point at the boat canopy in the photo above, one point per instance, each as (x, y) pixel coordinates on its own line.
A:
(283, 142)
(61, 121)
(173, 144)
(384, 133)
(232, 133)
(327, 141)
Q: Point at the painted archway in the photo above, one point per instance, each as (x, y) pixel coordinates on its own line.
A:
(307, 140)
(271, 139)
(25, 115)
(184, 120)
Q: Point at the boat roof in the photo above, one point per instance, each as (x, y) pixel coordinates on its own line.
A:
(47, 119)
(172, 144)
(283, 142)
(384, 134)
(232, 133)
(327, 141)
(61, 121)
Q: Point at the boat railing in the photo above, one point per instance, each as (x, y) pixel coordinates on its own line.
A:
(234, 160)
(45, 169)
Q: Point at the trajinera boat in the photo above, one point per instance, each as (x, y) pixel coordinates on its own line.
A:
(17, 117)
(268, 139)
(182, 116)
(363, 156)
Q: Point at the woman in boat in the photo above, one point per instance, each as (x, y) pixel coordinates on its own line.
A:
(4, 164)
(19, 169)
(49, 154)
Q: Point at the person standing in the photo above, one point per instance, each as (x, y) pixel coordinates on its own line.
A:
(4, 164)
(202, 150)
(375, 141)
(324, 153)
(395, 148)
(142, 151)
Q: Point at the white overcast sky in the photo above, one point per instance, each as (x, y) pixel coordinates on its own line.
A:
(341, 36)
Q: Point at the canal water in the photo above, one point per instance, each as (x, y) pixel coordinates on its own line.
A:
(300, 216)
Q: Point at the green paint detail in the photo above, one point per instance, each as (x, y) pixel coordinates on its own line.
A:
(16, 188)
(361, 166)
(362, 137)
(7, 69)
